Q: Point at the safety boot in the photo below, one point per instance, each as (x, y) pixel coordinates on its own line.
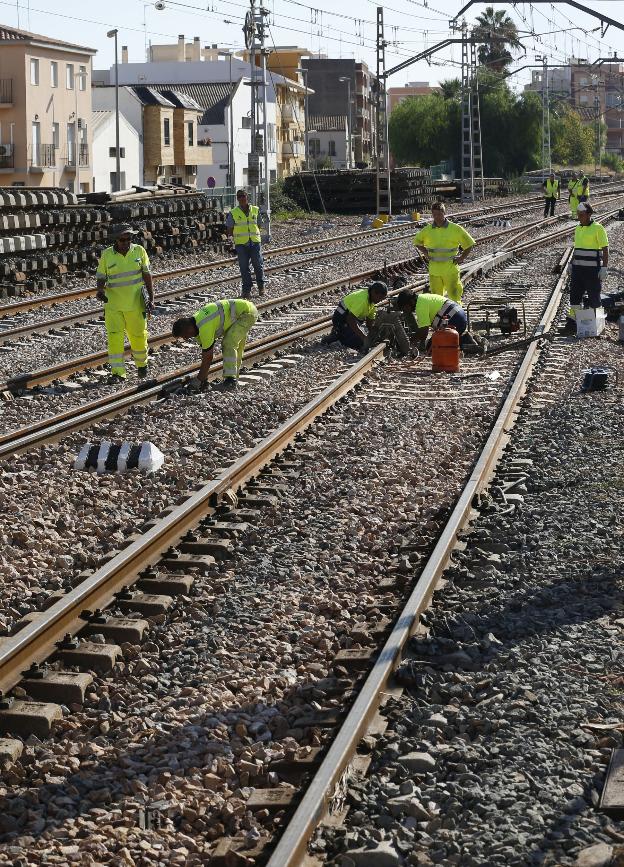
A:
(260, 290)
(142, 372)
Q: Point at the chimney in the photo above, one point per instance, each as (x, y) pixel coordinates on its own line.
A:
(124, 53)
(181, 57)
(196, 49)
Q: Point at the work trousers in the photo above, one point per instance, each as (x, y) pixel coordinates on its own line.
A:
(134, 324)
(346, 335)
(233, 343)
(250, 254)
(549, 206)
(448, 283)
(585, 280)
(458, 321)
(574, 203)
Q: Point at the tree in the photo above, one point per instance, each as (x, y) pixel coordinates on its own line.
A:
(499, 34)
(451, 89)
(572, 143)
(420, 130)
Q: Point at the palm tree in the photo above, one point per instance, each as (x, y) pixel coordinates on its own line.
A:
(498, 33)
(451, 88)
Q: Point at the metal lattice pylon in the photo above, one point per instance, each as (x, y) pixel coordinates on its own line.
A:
(471, 157)
(384, 196)
(546, 155)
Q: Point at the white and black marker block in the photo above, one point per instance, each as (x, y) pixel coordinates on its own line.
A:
(107, 457)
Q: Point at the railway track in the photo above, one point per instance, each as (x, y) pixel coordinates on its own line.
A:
(160, 574)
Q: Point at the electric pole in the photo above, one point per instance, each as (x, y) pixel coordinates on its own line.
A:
(384, 195)
(546, 154)
(254, 31)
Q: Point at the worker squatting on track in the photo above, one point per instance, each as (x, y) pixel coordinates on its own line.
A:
(440, 243)
(427, 310)
(590, 258)
(123, 272)
(243, 226)
(229, 319)
(552, 194)
(578, 191)
(353, 311)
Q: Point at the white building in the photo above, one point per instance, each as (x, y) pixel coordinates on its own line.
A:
(328, 142)
(220, 86)
(104, 153)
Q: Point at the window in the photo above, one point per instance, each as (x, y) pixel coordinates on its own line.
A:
(245, 122)
(34, 71)
(56, 135)
(71, 144)
(331, 148)
(82, 80)
(69, 76)
(53, 73)
(272, 175)
(271, 138)
(36, 142)
(191, 134)
(314, 146)
(113, 181)
(112, 152)
(166, 131)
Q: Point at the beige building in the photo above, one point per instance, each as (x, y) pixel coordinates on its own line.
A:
(45, 112)
(397, 95)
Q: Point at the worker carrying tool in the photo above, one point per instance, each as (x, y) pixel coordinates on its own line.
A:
(440, 243)
(231, 320)
(552, 194)
(355, 309)
(427, 310)
(123, 274)
(588, 267)
(243, 226)
(578, 190)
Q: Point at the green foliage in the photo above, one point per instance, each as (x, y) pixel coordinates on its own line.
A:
(499, 34)
(614, 162)
(451, 89)
(426, 130)
(572, 143)
(283, 207)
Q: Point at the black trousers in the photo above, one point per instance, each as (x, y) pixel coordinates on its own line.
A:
(347, 336)
(549, 207)
(585, 280)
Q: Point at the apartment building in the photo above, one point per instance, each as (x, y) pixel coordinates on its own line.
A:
(45, 111)
(397, 95)
(344, 87)
(105, 153)
(328, 142)
(596, 91)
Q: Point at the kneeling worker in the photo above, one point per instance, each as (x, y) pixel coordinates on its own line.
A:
(352, 311)
(430, 311)
(232, 320)
(440, 243)
(588, 267)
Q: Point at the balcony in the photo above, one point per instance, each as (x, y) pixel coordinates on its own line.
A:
(70, 156)
(290, 115)
(293, 149)
(6, 92)
(41, 157)
(7, 157)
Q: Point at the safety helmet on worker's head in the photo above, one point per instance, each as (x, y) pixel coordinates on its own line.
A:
(380, 287)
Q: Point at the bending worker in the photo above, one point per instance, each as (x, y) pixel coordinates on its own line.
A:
(590, 258)
(230, 319)
(552, 193)
(440, 243)
(242, 225)
(352, 311)
(122, 272)
(425, 310)
(578, 189)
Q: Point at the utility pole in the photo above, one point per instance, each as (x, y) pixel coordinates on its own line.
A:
(471, 156)
(384, 194)
(546, 153)
(254, 31)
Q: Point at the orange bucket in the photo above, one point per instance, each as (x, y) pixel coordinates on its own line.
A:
(445, 351)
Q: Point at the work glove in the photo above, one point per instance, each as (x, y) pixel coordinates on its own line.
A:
(101, 295)
(602, 274)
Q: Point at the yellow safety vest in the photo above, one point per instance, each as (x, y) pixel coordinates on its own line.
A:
(588, 243)
(577, 189)
(246, 225)
(124, 277)
(215, 318)
(430, 307)
(552, 188)
(443, 243)
(359, 304)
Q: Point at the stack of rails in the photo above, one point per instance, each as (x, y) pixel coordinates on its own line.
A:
(45, 233)
(452, 189)
(353, 191)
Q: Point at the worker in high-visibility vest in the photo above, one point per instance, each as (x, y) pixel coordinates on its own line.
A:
(355, 309)
(123, 273)
(440, 243)
(427, 310)
(552, 193)
(588, 267)
(578, 189)
(231, 320)
(242, 225)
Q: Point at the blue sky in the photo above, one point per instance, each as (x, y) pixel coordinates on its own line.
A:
(345, 29)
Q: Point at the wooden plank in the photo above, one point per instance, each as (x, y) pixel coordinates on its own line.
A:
(612, 799)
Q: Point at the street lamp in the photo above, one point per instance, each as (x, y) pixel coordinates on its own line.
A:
(78, 77)
(304, 73)
(113, 34)
(231, 165)
(348, 80)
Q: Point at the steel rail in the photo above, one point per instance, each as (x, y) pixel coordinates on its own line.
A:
(38, 640)
(291, 848)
